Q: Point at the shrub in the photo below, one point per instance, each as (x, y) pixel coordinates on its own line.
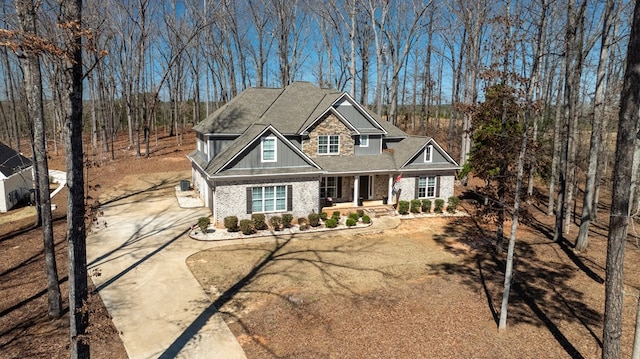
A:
(351, 222)
(360, 212)
(247, 227)
(314, 219)
(259, 222)
(415, 205)
(438, 205)
(336, 214)
(203, 223)
(231, 223)
(287, 218)
(354, 216)
(324, 216)
(426, 205)
(302, 224)
(331, 223)
(403, 207)
(366, 219)
(452, 204)
(276, 222)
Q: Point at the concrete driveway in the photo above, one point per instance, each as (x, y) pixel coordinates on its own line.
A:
(136, 256)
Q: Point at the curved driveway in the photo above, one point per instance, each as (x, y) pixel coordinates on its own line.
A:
(136, 256)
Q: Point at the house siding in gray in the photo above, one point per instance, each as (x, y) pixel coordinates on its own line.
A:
(230, 197)
(285, 157)
(355, 117)
(374, 147)
(436, 158)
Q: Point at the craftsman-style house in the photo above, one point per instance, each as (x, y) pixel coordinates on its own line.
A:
(298, 149)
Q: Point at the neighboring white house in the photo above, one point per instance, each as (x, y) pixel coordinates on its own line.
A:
(16, 177)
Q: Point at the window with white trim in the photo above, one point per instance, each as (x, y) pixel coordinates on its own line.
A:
(269, 199)
(329, 187)
(328, 144)
(268, 149)
(428, 153)
(427, 187)
(364, 140)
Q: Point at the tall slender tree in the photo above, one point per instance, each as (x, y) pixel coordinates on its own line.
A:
(628, 127)
(29, 56)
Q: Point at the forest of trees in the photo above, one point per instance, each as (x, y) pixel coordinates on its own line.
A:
(545, 75)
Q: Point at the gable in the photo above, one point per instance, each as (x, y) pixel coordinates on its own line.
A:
(243, 156)
(351, 113)
(411, 153)
(251, 157)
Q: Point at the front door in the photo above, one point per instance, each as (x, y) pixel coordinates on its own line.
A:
(364, 189)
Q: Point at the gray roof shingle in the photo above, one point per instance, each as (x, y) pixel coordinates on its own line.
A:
(11, 161)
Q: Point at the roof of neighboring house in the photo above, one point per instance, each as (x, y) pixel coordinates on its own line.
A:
(11, 161)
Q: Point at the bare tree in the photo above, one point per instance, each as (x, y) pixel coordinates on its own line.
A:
(622, 175)
(29, 56)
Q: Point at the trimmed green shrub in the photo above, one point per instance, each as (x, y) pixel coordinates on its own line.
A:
(366, 219)
(302, 224)
(438, 205)
(287, 218)
(331, 223)
(354, 216)
(351, 222)
(324, 216)
(426, 205)
(314, 219)
(231, 223)
(403, 207)
(259, 222)
(246, 226)
(276, 222)
(203, 223)
(452, 204)
(336, 214)
(415, 205)
(360, 212)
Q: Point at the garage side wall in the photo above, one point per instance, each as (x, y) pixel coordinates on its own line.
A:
(15, 188)
(230, 197)
(408, 186)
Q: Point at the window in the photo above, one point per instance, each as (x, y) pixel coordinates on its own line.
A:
(427, 187)
(364, 140)
(328, 144)
(329, 187)
(268, 149)
(269, 199)
(428, 153)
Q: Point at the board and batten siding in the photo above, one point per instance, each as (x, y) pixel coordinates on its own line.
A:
(436, 158)
(285, 157)
(374, 148)
(356, 118)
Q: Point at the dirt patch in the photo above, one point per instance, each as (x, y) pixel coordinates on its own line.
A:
(430, 288)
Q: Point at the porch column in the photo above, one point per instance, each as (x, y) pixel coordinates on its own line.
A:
(356, 184)
(390, 190)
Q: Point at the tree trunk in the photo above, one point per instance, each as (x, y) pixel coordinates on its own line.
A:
(596, 132)
(33, 87)
(619, 215)
(71, 19)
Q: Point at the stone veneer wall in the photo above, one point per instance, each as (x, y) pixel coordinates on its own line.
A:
(408, 186)
(330, 125)
(380, 186)
(230, 197)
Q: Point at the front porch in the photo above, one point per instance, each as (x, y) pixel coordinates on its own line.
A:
(356, 191)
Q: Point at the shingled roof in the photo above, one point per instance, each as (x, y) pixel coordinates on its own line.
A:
(11, 161)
